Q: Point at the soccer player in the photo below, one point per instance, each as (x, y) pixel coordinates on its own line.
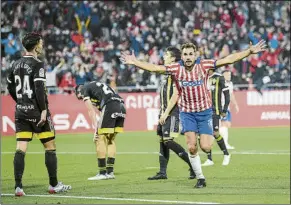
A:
(194, 103)
(168, 127)
(26, 85)
(218, 89)
(226, 121)
(112, 117)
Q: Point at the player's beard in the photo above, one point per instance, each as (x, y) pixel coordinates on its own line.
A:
(189, 65)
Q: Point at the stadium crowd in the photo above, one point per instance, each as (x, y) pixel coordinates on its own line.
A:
(83, 39)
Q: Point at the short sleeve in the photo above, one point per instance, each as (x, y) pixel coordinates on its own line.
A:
(10, 76)
(86, 93)
(208, 64)
(39, 74)
(172, 68)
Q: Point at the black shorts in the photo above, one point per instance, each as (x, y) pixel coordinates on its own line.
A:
(112, 118)
(215, 122)
(170, 129)
(26, 129)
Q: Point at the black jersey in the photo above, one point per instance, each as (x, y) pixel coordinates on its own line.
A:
(218, 88)
(166, 93)
(100, 94)
(22, 79)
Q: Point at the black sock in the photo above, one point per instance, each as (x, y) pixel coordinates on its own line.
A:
(18, 167)
(51, 165)
(209, 154)
(110, 164)
(221, 145)
(164, 157)
(179, 150)
(102, 165)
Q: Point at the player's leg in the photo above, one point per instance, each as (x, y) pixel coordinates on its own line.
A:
(171, 130)
(164, 156)
(111, 153)
(223, 130)
(46, 135)
(209, 140)
(189, 129)
(220, 142)
(100, 144)
(23, 136)
(116, 113)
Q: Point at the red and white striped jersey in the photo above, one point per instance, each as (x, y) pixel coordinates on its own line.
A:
(192, 85)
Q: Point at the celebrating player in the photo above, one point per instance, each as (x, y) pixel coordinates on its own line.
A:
(194, 103)
(168, 127)
(111, 122)
(218, 89)
(32, 116)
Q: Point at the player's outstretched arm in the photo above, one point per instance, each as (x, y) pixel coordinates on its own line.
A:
(127, 58)
(232, 58)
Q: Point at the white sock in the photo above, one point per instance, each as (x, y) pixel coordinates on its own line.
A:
(223, 131)
(196, 165)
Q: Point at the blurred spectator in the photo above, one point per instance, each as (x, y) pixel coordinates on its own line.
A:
(90, 35)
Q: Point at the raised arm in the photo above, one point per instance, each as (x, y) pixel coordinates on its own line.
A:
(234, 57)
(131, 59)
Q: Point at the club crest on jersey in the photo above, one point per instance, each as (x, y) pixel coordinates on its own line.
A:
(192, 83)
(41, 73)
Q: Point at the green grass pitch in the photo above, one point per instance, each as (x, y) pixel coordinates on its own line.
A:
(259, 171)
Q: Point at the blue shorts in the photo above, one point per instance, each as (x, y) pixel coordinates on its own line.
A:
(198, 122)
(227, 117)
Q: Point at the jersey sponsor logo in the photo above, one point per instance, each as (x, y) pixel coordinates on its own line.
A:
(192, 83)
(31, 120)
(116, 114)
(25, 107)
(41, 73)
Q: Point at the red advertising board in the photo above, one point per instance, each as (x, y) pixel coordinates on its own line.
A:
(70, 115)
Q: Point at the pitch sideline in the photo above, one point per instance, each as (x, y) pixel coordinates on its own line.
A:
(115, 199)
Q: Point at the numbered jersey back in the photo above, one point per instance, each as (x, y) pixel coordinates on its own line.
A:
(23, 75)
(99, 94)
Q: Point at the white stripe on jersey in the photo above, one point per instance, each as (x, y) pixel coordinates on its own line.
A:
(9, 81)
(191, 104)
(39, 79)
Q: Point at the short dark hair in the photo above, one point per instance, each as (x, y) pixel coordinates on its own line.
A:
(189, 45)
(79, 89)
(175, 52)
(30, 40)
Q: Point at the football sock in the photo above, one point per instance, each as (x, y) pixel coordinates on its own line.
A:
(102, 165)
(221, 145)
(209, 154)
(196, 165)
(110, 164)
(18, 167)
(179, 150)
(224, 133)
(164, 157)
(51, 165)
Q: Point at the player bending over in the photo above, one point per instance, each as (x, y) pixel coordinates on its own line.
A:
(26, 85)
(112, 117)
